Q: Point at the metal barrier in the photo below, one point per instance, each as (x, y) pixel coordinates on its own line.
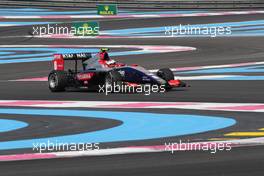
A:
(168, 4)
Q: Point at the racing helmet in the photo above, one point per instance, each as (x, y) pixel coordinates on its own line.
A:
(103, 54)
(104, 49)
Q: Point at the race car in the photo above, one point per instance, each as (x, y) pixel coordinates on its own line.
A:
(99, 71)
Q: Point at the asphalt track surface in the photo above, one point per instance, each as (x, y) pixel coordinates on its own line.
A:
(210, 51)
(244, 161)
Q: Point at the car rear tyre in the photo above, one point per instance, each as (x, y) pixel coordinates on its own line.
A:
(57, 81)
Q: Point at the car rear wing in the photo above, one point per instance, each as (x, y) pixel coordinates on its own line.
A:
(77, 56)
(58, 61)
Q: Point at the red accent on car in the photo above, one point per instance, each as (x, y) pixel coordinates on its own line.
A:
(58, 62)
(132, 84)
(119, 64)
(84, 76)
(134, 65)
(102, 62)
(174, 83)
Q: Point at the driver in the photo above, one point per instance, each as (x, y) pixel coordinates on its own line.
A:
(104, 57)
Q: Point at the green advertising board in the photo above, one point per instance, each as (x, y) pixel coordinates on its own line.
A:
(107, 9)
(86, 28)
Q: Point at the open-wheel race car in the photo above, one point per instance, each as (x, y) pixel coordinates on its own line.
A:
(100, 71)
